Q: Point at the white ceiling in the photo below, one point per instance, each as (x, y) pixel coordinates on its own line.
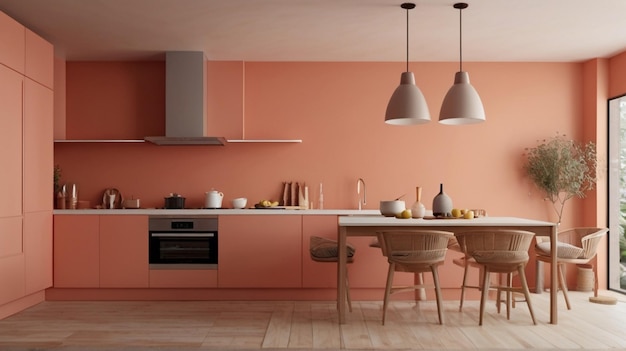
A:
(327, 30)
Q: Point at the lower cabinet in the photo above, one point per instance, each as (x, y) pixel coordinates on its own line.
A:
(260, 251)
(124, 252)
(76, 251)
(174, 278)
(92, 251)
(38, 251)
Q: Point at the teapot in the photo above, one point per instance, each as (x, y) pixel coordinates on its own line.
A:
(214, 199)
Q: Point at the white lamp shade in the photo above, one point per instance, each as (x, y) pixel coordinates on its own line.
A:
(462, 105)
(407, 104)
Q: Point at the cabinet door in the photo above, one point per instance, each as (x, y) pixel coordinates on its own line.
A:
(38, 59)
(38, 250)
(11, 93)
(260, 251)
(11, 43)
(11, 259)
(124, 251)
(76, 254)
(38, 147)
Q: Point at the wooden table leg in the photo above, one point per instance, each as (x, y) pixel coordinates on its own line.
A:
(341, 274)
(539, 277)
(554, 285)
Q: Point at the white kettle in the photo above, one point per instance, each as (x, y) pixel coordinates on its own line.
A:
(214, 199)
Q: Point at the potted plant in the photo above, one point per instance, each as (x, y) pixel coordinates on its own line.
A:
(562, 168)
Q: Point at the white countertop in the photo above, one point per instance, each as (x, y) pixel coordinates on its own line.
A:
(364, 221)
(220, 212)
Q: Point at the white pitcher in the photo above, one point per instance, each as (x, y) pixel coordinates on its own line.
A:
(214, 199)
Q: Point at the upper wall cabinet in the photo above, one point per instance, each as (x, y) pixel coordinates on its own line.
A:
(11, 43)
(39, 59)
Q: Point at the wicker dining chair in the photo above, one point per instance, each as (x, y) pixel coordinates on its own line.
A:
(326, 250)
(499, 251)
(415, 251)
(574, 246)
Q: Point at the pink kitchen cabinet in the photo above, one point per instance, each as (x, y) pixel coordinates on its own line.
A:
(11, 259)
(76, 251)
(12, 43)
(38, 251)
(183, 278)
(260, 251)
(38, 59)
(124, 251)
(11, 100)
(38, 155)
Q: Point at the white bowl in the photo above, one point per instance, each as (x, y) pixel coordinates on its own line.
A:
(240, 202)
(392, 208)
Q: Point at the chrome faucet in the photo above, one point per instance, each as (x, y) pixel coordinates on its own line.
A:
(358, 192)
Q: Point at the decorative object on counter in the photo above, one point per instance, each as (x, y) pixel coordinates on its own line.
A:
(68, 196)
(321, 198)
(112, 199)
(562, 169)
(174, 201)
(131, 203)
(239, 202)
(214, 199)
(57, 178)
(462, 104)
(407, 105)
(442, 204)
(418, 210)
(392, 208)
(358, 193)
(295, 194)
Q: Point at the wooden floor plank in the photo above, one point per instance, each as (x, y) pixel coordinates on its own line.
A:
(312, 325)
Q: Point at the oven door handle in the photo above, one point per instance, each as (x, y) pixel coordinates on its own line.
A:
(178, 235)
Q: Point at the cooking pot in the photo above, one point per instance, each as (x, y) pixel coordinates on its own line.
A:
(214, 199)
(174, 201)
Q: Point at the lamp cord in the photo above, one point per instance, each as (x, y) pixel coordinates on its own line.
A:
(461, 40)
(407, 40)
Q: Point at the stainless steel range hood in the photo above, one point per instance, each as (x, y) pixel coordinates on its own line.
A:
(185, 101)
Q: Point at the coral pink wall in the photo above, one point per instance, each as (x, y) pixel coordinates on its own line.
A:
(337, 110)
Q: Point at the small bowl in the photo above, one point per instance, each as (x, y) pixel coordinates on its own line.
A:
(392, 208)
(239, 202)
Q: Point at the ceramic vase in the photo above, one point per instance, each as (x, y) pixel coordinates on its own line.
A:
(418, 210)
(442, 204)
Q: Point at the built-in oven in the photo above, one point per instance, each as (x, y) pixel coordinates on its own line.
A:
(182, 243)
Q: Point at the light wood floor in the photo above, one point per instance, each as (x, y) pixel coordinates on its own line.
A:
(194, 325)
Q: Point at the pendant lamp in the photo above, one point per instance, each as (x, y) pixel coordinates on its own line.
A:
(407, 104)
(462, 104)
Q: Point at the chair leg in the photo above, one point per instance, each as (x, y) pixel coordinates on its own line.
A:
(463, 286)
(595, 280)
(433, 269)
(483, 296)
(563, 286)
(522, 277)
(392, 267)
(509, 285)
(348, 292)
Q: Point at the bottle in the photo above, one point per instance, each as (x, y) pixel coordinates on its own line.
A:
(321, 199)
(442, 204)
(418, 210)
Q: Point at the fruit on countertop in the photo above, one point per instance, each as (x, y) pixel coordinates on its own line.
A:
(469, 214)
(406, 214)
(456, 213)
(267, 203)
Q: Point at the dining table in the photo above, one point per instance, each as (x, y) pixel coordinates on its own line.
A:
(370, 225)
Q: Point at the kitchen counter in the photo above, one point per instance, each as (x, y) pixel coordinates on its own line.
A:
(220, 212)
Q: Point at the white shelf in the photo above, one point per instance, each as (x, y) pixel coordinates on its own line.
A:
(99, 141)
(264, 140)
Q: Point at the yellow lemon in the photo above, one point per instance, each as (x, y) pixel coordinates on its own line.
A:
(468, 214)
(457, 213)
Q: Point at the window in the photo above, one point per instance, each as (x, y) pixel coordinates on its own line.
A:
(617, 193)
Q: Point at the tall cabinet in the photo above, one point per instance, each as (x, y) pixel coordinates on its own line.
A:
(26, 131)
